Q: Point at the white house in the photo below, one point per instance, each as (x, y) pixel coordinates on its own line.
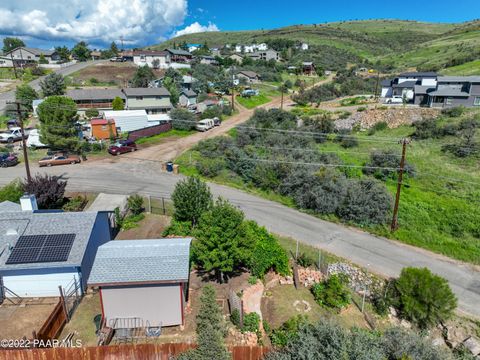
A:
(5, 62)
(151, 57)
(26, 55)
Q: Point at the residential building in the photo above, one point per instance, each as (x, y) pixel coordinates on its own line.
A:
(42, 250)
(308, 68)
(146, 280)
(209, 60)
(26, 55)
(100, 99)
(152, 100)
(454, 91)
(237, 58)
(187, 82)
(95, 55)
(103, 129)
(188, 98)
(266, 55)
(160, 59)
(248, 76)
(412, 86)
(6, 62)
(179, 56)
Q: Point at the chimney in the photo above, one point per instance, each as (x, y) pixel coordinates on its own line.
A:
(28, 202)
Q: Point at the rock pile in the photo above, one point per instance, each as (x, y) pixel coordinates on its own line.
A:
(308, 276)
(286, 280)
(358, 279)
(246, 338)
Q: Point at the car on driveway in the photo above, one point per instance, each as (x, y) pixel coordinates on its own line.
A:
(122, 146)
(59, 159)
(7, 160)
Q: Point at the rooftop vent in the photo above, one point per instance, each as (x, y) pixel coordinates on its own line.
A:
(28, 202)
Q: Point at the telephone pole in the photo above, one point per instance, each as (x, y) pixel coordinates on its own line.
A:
(13, 64)
(378, 83)
(404, 143)
(281, 101)
(24, 143)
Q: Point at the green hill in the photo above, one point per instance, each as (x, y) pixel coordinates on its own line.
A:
(401, 44)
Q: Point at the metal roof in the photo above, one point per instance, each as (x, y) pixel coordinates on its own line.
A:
(14, 224)
(94, 94)
(405, 84)
(141, 261)
(418, 74)
(475, 79)
(189, 93)
(449, 92)
(420, 90)
(160, 91)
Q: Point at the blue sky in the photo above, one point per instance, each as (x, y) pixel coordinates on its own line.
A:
(142, 22)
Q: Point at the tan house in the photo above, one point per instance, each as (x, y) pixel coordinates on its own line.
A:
(236, 57)
(152, 100)
(142, 283)
(249, 76)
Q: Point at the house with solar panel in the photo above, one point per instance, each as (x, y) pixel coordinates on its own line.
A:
(42, 250)
(142, 283)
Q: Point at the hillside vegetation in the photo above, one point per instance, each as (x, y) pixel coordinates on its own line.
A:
(394, 44)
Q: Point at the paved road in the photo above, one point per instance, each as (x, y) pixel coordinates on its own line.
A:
(377, 254)
(10, 95)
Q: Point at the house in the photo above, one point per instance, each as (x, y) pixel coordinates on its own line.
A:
(209, 60)
(179, 56)
(100, 99)
(25, 55)
(152, 100)
(103, 129)
(308, 68)
(42, 250)
(193, 47)
(127, 120)
(188, 98)
(455, 91)
(95, 55)
(413, 86)
(127, 55)
(6, 62)
(161, 59)
(266, 55)
(236, 57)
(146, 280)
(249, 76)
(187, 82)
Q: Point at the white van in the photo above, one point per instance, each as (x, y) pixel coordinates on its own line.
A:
(33, 140)
(205, 125)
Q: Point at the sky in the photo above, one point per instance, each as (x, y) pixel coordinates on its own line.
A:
(48, 23)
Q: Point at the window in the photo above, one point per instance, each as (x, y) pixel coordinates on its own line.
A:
(449, 101)
(139, 98)
(104, 127)
(476, 101)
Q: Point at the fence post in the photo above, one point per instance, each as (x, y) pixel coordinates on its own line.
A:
(64, 305)
(163, 205)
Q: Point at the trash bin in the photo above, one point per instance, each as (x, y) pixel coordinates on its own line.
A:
(169, 166)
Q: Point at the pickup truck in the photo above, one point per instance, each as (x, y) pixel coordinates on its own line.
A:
(12, 135)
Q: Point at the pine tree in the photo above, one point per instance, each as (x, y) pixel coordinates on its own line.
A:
(191, 198)
(53, 84)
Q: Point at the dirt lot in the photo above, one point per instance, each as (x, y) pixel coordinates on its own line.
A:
(109, 72)
(18, 321)
(149, 228)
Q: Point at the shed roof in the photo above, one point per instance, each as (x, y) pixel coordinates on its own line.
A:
(141, 261)
(189, 93)
(7, 206)
(160, 91)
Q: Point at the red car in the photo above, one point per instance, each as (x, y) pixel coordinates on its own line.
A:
(121, 147)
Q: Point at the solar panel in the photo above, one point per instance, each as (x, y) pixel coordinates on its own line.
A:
(41, 248)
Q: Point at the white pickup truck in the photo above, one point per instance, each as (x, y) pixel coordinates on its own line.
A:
(12, 135)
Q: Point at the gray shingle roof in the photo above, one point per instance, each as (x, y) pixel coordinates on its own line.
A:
(449, 92)
(475, 79)
(34, 51)
(160, 91)
(189, 93)
(405, 84)
(39, 223)
(420, 90)
(8, 206)
(94, 94)
(141, 261)
(418, 74)
(248, 73)
(178, 52)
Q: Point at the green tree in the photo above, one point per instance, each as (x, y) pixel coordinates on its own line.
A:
(117, 103)
(114, 48)
(63, 53)
(26, 94)
(210, 330)
(135, 204)
(219, 245)
(53, 84)
(58, 118)
(172, 88)
(48, 190)
(142, 77)
(11, 43)
(423, 297)
(333, 292)
(91, 113)
(191, 198)
(182, 119)
(42, 59)
(81, 51)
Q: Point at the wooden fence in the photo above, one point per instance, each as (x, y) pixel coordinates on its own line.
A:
(52, 327)
(124, 352)
(149, 131)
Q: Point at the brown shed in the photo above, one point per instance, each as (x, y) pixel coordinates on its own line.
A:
(103, 128)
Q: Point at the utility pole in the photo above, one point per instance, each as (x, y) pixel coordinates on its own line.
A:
(394, 225)
(281, 101)
(24, 144)
(378, 83)
(233, 98)
(13, 64)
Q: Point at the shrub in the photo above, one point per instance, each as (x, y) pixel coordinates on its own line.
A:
(424, 298)
(304, 261)
(49, 190)
(131, 222)
(212, 112)
(426, 129)
(361, 109)
(384, 164)
(235, 317)
(191, 198)
(135, 204)
(11, 192)
(288, 331)
(454, 112)
(75, 204)
(178, 228)
(252, 280)
(251, 323)
(91, 113)
(346, 140)
(333, 292)
(210, 167)
(182, 119)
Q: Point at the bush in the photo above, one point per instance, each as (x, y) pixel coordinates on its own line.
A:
(11, 192)
(288, 331)
(346, 140)
(251, 323)
(333, 292)
(235, 317)
(91, 113)
(384, 164)
(210, 167)
(361, 109)
(75, 204)
(424, 298)
(304, 261)
(454, 112)
(212, 112)
(178, 228)
(131, 222)
(182, 119)
(135, 204)
(49, 190)
(380, 126)
(252, 280)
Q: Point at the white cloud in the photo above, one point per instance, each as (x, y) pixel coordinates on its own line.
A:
(95, 21)
(196, 27)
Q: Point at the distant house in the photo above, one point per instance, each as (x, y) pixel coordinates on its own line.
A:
(266, 55)
(209, 60)
(304, 46)
(179, 56)
(236, 57)
(95, 55)
(188, 98)
(187, 82)
(193, 47)
(151, 57)
(25, 55)
(42, 250)
(144, 280)
(455, 91)
(100, 99)
(248, 76)
(6, 62)
(308, 68)
(103, 129)
(152, 100)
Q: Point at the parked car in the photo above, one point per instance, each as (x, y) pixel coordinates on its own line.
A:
(217, 121)
(395, 100)
(12, 123)
(121, 147)
(205, 125)
(59, 159)
(13, 134)
(7, 160)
